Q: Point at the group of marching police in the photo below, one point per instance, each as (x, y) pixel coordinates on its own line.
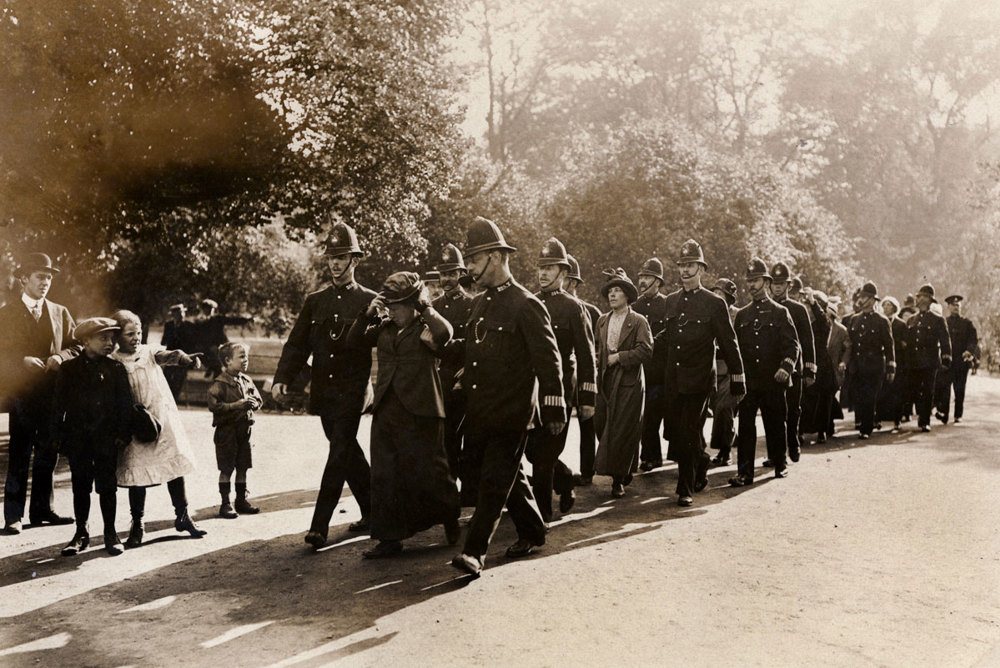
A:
(468, 384)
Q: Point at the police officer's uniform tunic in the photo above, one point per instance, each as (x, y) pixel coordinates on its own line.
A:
(340, 376)
(964, 339)
(588, 432)
(509, 345)
(872, 354)
(695, 322)
(928, 344)
(805, 367)
(653, 308)
(767, 342)
(454, 307)
(571, 325)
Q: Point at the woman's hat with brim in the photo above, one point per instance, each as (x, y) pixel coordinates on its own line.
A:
(484, 235)
(90, 326)
(401, 286)
(618, 278)
(36, 262)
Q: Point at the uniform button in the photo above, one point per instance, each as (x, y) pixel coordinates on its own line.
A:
(475, 364)
(331, 375)
(499, 329)
(473, 386)
(338, 296)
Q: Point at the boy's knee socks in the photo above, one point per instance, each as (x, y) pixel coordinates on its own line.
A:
(224, 490)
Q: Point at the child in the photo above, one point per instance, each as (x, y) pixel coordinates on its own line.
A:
(170, 457)
(233, 398)
(91, 423)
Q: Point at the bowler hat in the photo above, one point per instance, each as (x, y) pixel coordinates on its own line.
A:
(553, 252)
(953, 299)
(927, 289)
(90, 326)
(757, 269)
(652, 267)
(401, 286)
(342, 240)
(728, 288)
(574, 269)
(36, 262)
(451, 259)
(484, 235)
(618, 278)
(780, 273)
(869, 289)
(691, 252)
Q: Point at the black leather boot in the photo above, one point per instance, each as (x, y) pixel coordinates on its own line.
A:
(185, 523)
(81, 539)
(135, 533)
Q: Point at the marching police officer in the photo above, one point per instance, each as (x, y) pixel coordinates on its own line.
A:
(873, 357)
(340, 377)
(769, 348)
(652, 304)
(509, 346)
(575, 338)
(454, 305)
(588, 433)
(805, 368)
(695, 321)
(928, 346)
(965, 349)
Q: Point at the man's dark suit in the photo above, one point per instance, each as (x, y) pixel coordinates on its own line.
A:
(29, 396)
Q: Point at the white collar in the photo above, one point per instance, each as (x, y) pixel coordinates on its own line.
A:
(32, 304)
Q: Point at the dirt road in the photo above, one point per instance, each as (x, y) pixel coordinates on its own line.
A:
(876, 553)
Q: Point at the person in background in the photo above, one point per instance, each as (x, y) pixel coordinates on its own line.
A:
(588, 434)
(652, 304)
(209, 333)
(965, 353)
(178, 334)
(724, 404)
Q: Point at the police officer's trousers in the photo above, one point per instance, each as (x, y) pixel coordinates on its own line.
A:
(346, 463)
(793, 414)
(653, 414)
(865, 389)
(495, 456)
(548, 473)
(923, 393)
(688, 412)
(771, 404)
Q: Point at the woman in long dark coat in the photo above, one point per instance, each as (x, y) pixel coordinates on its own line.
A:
(624, 342)
(412, 488)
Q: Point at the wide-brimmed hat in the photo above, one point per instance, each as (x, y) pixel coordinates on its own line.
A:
(36, 262)
(574, 269)
(780, 273)
(484, 235)
(401, 286)
(553, 252)
(451, 259)
(727, 288)
(691, 252)
(618, 278)
(870, 289)
(757, 268)
(342, 240)
(652, 267)
(90, 326)
(953, 299)
(927, 289)
(893, 301)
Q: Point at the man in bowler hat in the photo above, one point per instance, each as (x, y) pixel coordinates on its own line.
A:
(36, 334)
(340, 375)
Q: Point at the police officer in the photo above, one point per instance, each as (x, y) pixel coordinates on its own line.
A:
(509, 346)
(928, 346)
(575, 338)
(340, 377)
(965, 349)
(873, 357)
(454, 305)
(892, 394)
(724, 404)
(588, 433)
(652, 304)
(769, 348)
(695, 321)
(805, 367)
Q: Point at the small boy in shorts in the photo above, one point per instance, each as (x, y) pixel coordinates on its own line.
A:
(91, 423)
(233, 398)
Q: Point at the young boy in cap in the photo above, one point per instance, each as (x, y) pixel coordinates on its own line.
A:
(233, 398)
(91, 423)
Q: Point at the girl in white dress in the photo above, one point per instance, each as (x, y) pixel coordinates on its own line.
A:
(170, 457)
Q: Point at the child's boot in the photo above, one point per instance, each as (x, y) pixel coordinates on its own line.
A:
(226, 509)
(79, 543)
(242, 505)
(135, 534)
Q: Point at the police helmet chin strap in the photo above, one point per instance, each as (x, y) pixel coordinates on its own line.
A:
(489, 259)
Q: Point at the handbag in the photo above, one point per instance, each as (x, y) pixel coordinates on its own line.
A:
(145, 427)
